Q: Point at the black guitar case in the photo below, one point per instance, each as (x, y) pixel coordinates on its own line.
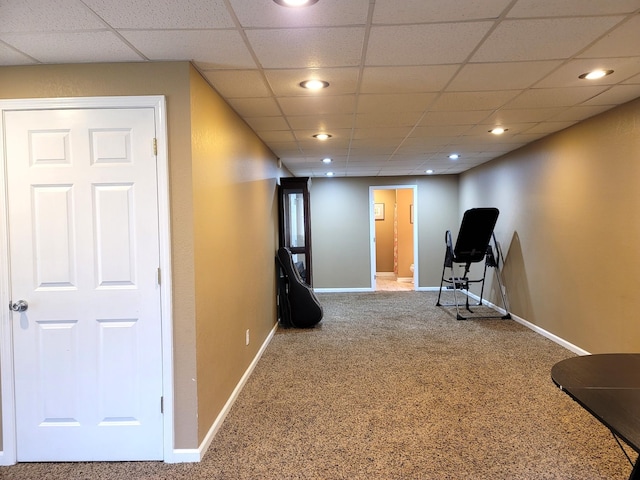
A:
(299, 307)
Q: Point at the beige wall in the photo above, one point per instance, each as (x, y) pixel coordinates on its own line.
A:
(206, 243)
(235, 214)
(340, 234)
(569, 207)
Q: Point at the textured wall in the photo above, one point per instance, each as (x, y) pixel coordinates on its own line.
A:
(235, 218)
(341, 231)
(569, 225)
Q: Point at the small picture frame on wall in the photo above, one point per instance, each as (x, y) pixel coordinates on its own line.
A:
(378, 211)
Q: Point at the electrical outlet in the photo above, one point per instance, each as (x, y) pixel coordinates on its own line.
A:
(246, 337)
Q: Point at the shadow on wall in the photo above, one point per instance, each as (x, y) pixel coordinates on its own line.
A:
(515, 280)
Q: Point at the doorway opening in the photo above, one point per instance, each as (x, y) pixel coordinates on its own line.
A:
(394, 237)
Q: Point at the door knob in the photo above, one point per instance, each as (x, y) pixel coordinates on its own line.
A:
(19, 306)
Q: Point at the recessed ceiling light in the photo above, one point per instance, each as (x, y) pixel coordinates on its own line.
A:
(429, 172)
(327, 160)
(314, 84)
(498, 130)
(595, 74)
(322, 136)
(295, 3)
(454, 156)
(329, 174)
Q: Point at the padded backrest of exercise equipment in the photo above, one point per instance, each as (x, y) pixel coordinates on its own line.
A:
(475, 234)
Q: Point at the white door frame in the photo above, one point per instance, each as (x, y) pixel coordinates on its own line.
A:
(372, 230)
(9, 455)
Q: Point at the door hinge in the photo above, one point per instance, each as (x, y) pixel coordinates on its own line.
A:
(161, 404)
(159, 277)
(155, 146)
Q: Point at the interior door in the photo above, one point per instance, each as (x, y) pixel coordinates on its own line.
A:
(84, 257)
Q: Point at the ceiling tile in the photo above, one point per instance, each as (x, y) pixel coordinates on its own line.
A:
(397, 133)
(263, 124)
(318, 105)
(554, 97)
(623, 41)
(198, 45)
(414, 11)
(387, 119)
(633, 80)
(320, 153)
(308, 48)
(10, 56)
(579, 112)
(21, 16)
(406, 102)
(161, 14)
(548, 127)
(72, 47)
(238, 83)
(326, 13)
(411, 79)
(255, 53)
(616, 95)
(341, 149)
(542, 39)
(430, 144)
(370, 158)
(287, 82)
(459, 101)
(439, 131)
(321, 122)
(372, 146)
(500, 76)
(567, 75)
(485, 142)
(255, 107)
(554, 8)
(285, 149)
(444, 43)
(277, 136)
(469, 117)
(508, 116)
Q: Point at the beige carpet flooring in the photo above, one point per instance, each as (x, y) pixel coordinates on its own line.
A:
(388, 386)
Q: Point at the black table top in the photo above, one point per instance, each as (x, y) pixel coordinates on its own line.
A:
(608, 386)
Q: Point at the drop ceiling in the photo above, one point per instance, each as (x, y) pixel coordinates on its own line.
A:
(411, 81)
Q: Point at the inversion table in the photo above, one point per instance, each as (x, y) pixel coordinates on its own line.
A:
(473, 245)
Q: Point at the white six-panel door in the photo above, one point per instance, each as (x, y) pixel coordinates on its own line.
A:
(84, 255)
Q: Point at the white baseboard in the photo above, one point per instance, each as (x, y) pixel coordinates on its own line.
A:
(554, 338)
(191, 455)
(551, 336)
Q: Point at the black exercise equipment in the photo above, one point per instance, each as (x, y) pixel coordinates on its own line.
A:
(473, 246)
